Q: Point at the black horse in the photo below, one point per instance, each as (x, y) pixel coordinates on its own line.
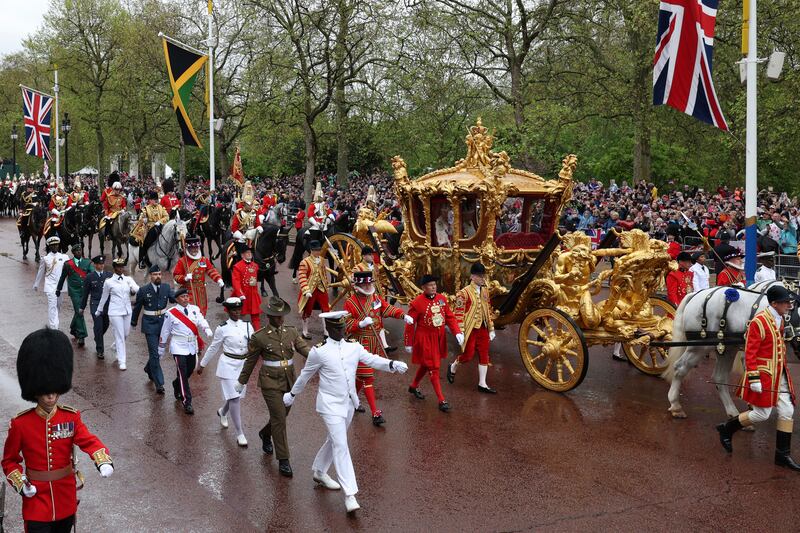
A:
(31, 228)
(213, 230)
(269, 251)
(90, 218)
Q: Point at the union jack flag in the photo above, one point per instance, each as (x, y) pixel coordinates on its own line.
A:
(682, 64)
(36, 109)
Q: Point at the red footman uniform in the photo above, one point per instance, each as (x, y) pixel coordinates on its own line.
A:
(730, 276)
(198, 268)
(44, 441)
(313, 278)
(765, 361)
(679, 284)
(473, 310)
(244, 279)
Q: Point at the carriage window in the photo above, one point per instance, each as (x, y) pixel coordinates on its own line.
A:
(418, 215)
(470, 216)
(520, 223)
(442, 221)
(535, 210)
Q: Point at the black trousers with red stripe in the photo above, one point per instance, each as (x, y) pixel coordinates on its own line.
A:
(185, 365)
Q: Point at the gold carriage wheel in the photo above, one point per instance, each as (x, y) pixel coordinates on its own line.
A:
(553, 349)
(348, 249)
(651, 360)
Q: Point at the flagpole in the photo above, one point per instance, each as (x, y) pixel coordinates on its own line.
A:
(751, 155)
(211, 177)
(58, 148)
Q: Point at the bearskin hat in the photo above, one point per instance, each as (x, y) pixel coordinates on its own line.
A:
(44, 364)
(168, 186)
(113, 178)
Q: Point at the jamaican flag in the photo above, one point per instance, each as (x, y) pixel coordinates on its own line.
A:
(182, 68)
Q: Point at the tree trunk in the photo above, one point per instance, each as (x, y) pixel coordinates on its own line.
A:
(517, 97)
(641, 123)
(223, 163)
(311, 158)
(342, 149)
(182, 168)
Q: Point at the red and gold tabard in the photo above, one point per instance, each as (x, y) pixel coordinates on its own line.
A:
(43, 442)
(679, 284)
(765, 361)
(312, 275)
(730, 276)
(244, 278)
(361, 306)
(427, 335)
(198, 268)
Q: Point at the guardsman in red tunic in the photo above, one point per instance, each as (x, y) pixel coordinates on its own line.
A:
(680, 282)
(43, 438)
(319, 214)
(170, 201)
(733, 273)
(474, 314)
(313, 276)
(766, 382)
(244, 279)
(426, 339)
(190, 273)
(367, 311)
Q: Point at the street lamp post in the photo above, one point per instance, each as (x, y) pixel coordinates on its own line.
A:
(14, 149)
(65, 127)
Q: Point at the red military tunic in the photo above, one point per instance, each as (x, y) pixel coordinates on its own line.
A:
(44, 443)
(730, 276)
(170, 202)
(427, 336)
(474, 315)
(313, 278)
(361, 306)
(317, 212)
(765, 361)
(198, 268)
(679, 284)
(244, 279)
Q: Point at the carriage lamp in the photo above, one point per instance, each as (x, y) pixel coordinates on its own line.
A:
(14, 149)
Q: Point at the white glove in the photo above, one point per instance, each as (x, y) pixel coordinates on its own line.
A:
(29, 491)
(242, 297)
(222, 284)
(158, 223)
(756, 387)
(409, 320)
(288, 399)
(188, 277)
(55, 211)
(260, 229)
(161, 352)
(106, 470)
(209, 333)
(238, 235)
(238, 387)
(366, 322)
(460, 338)
(400, 367)
(408, 349)
(492, 335)
(98, 312)
(307, 294)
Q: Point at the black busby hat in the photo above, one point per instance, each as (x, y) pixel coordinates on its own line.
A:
(112, 178)
(277, 307)
(478, 269)
(44, 364)
(314, 245)
(168, 185)
(427, 278)
(779, 293)
(683, 256)
(181, 292)
(362, 277)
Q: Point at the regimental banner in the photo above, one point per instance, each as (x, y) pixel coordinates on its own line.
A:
(237, 172)
(182, 68)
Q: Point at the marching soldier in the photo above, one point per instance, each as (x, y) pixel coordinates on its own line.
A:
(244, 278)
(170, 201)
(276, 345)
(74, 272)
(43, 437)
(181, 328)
(117, 291)
(49, 271)
(190, 273)
(426, 339)
(366, 311)
(152, 300)
(767, 382)
(230, 339)
(474, 314)
(313, 276)
(92, 294)
(336, 361)
(680, 282)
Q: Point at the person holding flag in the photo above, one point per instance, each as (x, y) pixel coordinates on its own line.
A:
(74, 272)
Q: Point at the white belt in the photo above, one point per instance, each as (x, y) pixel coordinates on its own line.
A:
(155, 313)
(188, 338)
(279, 363)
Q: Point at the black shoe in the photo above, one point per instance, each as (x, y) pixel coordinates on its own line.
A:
(159, 390)
(142, 265)
(377, 420)
(444, 406)
(390, 349)
(285, 468)
(147, 371)
(619, 357)
(100, 355)
(81, 343)
(360, 409)
(416, 392)
(783, 446)
(451, 376)
(726, 432)
(178, 395)
(487, 390)
(306, 337)
(188, 409)
(266, 441)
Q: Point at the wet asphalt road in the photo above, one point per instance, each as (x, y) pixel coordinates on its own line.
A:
(604, 456)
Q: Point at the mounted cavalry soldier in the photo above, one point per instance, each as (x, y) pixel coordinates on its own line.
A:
(245, 218)
(319, 215)
(113, 203)
(170, 201)
(60, 202)
(78, 196)
(149, 226)
(27, 202)
(767, 382)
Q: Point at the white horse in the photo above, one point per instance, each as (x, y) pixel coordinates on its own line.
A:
(687, 324)
(164, 251)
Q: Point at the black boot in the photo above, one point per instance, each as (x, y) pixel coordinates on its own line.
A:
(266, 440)
(726, 432)
(783, 447)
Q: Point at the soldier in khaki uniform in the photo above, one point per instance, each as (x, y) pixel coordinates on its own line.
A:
(276, 345)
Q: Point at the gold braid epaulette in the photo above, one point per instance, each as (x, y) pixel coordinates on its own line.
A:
(23, 412)
(67, 408)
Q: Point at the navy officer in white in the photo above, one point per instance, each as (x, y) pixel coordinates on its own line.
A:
(117, 291)
(152, 300)
(336, 361)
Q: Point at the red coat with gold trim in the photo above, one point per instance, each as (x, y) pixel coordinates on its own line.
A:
(471, 312)
(244, 278)
(427, 335)
(170, 202)
(765, 361)
(43, 442)
(679, 284)
(730, 276)
(361, 306)
(199, 268)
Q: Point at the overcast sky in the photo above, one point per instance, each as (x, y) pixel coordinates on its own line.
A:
(19, 19)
